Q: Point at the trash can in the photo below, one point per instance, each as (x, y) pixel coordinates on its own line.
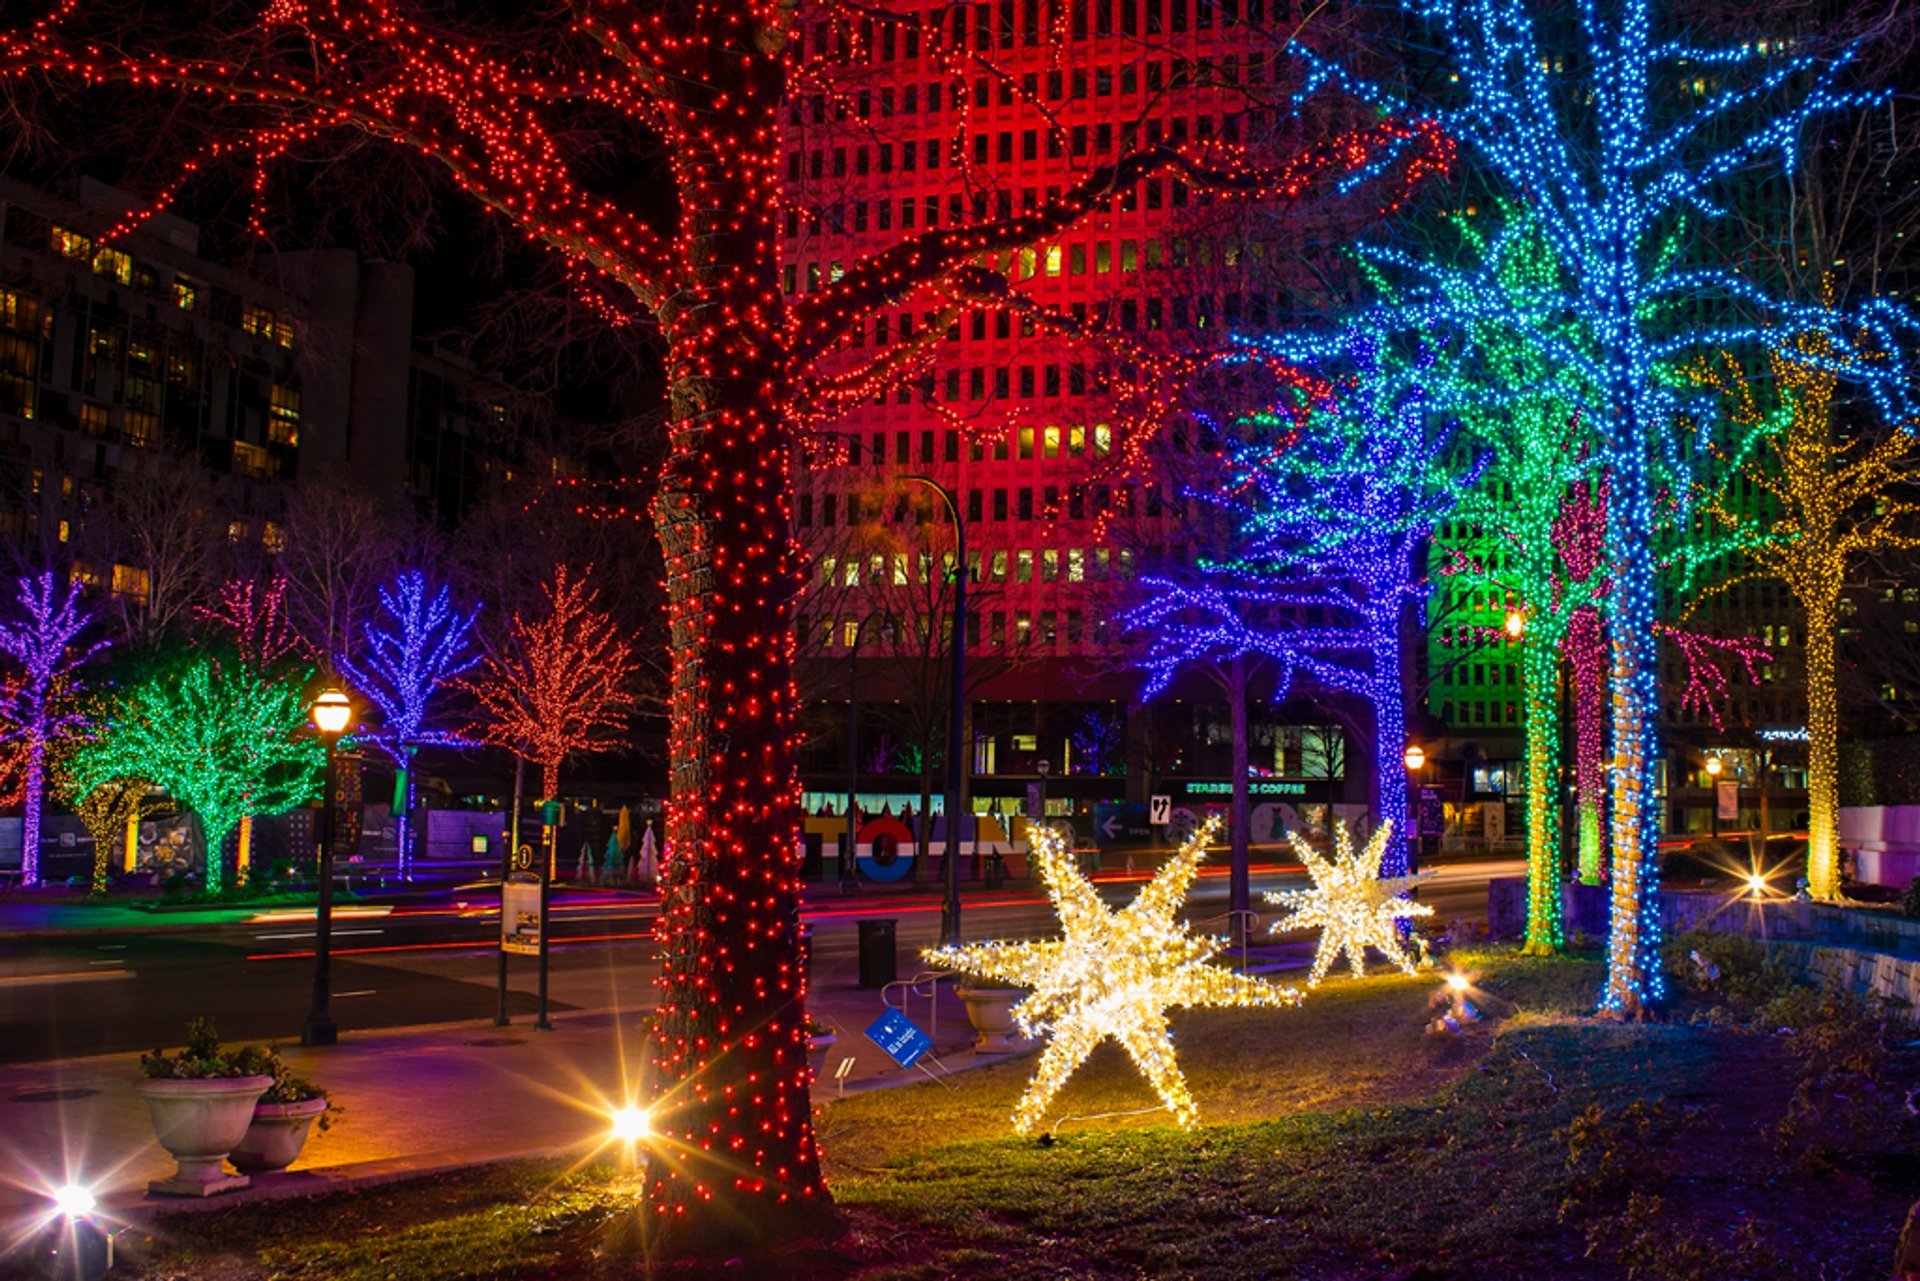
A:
(879, 965)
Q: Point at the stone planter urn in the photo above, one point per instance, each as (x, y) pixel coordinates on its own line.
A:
(198, 1123)
(817, 1048)
(990, 1010)
(278, 1132)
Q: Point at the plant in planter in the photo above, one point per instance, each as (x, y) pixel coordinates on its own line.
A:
(201, 1101)
(283, 1116)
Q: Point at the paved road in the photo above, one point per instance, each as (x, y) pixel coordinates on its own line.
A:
(424, 964)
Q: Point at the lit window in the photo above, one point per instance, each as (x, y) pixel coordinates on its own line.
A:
(283, 415)
(249, 460)
(114, 264)
(186, 294)
(66, 532)
(141, 429)
(1053, 260)
(1076, 565)
(257, 321)
(93, 419)
(236, 531)
(1050, 441)
(71, 244)
(130, 583)
(273, 538)
(1102, 440)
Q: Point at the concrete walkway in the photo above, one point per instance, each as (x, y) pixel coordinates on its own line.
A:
(413, 1100)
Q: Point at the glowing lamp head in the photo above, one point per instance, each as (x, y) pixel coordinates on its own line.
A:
(1416, 756)
(631, 1124)
(74, 1201)
(331, 713)
(1714, 766)
(1457, 982)
(1756, 884)
(1516, 623)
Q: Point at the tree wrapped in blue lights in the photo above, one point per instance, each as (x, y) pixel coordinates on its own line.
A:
(420, 643)
(1616, 161)
(41, 707)
(1333, 499)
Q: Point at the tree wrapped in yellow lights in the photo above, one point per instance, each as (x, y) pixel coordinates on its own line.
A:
(1835, 501)
(1111, 974)
(1354, 906)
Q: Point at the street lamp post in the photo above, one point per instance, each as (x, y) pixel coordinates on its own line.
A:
(849, 880)
(1415, 759)
(1713, 793)
(950, 872)
(331, 713)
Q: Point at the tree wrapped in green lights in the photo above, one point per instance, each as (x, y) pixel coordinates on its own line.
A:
(224, 740)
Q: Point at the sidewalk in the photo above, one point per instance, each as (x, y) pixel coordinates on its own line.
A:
(414, 1100)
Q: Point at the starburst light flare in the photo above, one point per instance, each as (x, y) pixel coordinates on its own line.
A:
(1351, 903)
(1112, 974)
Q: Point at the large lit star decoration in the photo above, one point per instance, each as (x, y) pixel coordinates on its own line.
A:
(1354, 906)
(1112, 974)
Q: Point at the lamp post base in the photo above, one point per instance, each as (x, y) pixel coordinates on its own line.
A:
(319, 1029)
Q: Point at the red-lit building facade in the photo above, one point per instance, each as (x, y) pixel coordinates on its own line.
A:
(1037, 410)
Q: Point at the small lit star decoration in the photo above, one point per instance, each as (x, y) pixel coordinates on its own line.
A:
(1114, 973)
(1351, 903)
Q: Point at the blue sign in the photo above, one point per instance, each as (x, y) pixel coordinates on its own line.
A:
(904, 1042)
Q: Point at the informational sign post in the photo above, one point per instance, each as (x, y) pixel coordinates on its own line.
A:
(522, 915)
(1727, 795)
(1160, 810)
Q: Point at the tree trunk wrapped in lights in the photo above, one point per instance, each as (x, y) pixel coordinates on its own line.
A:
(40, 709)
(1836, 501)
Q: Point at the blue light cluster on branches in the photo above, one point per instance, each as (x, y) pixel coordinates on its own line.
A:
(1618, 148)
(422, 642)
(1332, 502)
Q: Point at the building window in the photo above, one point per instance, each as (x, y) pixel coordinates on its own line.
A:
(130, 583)
(93, 419)
(283, 415)
(249, 461)
(273, 538)
(114, 265)
(71, 244)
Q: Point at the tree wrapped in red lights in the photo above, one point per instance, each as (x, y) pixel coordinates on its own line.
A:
(562, 683)
(517, 116)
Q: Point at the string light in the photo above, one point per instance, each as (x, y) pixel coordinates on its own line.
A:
(1111, 974)
(1604, 207)
(1354, 906)
(563, 683)
(1331, 506)
(225, 740)
(40, 709)
(424, 644)
(1835, 502)
(749, 373)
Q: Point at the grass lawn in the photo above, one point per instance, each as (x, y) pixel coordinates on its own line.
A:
(1338, 1141)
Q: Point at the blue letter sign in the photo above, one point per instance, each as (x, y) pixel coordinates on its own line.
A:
(895, 1033)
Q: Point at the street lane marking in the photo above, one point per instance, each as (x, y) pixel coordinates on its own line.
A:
(70, 976)
(307, 934)
(365, 991)
(106, 962)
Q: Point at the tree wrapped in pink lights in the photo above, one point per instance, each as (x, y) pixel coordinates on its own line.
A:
(421, 643)
(41, 707)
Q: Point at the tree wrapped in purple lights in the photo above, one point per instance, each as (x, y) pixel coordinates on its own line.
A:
(1617, 178)
(1333, 499)
(41, 708)
(421, 644)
